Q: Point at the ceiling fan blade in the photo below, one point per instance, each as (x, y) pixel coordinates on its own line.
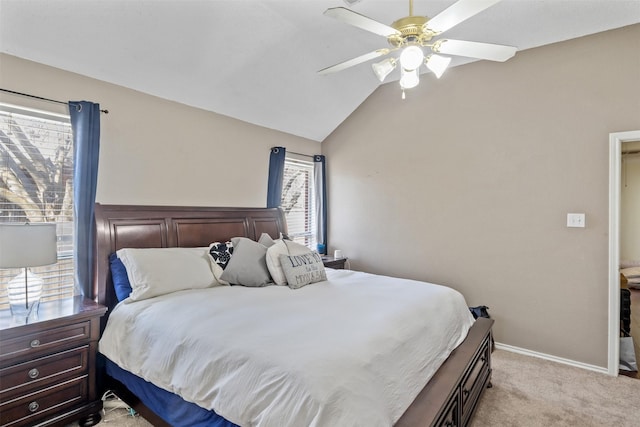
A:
(456, 13)
(355, 61)
(353, 18)
(492, 52)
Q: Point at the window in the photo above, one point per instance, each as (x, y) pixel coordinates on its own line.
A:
(298, 200)
(36, 185)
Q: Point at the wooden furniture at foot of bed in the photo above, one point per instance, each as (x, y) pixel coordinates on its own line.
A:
(449, 398)
(452, 395)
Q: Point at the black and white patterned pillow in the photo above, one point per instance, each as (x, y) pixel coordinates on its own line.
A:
(221, 253)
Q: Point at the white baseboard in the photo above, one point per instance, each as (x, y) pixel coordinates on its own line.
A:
(557, 359)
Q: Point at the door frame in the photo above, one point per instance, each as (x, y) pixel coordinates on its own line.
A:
(616, 140)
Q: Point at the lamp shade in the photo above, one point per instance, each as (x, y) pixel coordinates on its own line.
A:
(411, 58)
(409, 79)
(27, 245)
(383, 68)
(438, 64)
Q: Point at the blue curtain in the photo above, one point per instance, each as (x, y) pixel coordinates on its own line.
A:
(85, 122)
(320, 180)
(276, 175)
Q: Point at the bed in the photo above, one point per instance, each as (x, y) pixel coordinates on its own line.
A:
(449, 398)
(630, 272)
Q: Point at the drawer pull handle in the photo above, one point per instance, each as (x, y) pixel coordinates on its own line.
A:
(33, 373)
(448, 424)
(465, 392)
(34, 406)
(35, 343)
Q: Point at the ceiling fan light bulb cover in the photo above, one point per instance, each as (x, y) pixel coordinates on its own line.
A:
(383, 68)
(411, 57)
(409, 79)
(438, 64)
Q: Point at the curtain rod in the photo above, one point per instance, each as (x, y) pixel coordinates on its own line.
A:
(292, 152)
(300, 154)
(41, 98)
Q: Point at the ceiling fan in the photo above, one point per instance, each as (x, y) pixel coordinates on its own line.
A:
(413, 33)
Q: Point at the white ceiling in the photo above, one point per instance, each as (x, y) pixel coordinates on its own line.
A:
(257, 60)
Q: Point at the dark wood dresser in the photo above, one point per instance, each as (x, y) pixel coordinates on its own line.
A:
(48, 367)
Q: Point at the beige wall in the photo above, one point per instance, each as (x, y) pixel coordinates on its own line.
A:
(155, 151)
(468, 183)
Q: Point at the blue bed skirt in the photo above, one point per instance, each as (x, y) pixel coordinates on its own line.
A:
(168, 406)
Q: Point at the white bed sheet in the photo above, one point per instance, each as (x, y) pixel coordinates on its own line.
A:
(352, 351)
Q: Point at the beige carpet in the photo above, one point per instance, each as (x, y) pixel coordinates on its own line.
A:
(121, 418)
(530, 392)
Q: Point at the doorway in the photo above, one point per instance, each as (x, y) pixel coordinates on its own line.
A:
(616, 141)
(630, 245)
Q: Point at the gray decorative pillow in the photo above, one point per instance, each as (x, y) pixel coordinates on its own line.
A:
(248, 266)
(266, 240)
(303, 269)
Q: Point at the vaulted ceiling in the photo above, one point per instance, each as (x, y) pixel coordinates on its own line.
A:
(257, 60)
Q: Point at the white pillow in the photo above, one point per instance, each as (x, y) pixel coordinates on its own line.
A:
(273, 261)
(282, 247)
(158, 271)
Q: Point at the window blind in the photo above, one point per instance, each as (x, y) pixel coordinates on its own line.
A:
(298, 201)
(36, 185)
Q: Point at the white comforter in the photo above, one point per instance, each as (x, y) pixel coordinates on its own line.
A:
(352, 351)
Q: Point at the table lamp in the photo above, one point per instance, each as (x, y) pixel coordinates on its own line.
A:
(23, 246)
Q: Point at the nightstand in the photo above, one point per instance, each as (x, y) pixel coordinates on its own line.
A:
(331, 262)
(48, 367)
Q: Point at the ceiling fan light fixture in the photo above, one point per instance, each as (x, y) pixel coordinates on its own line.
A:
(383, 68)
(411, 34)
(437, 64)
(409, 79)
(411, 57)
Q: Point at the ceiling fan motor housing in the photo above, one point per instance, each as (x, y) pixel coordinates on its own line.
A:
(412, 31)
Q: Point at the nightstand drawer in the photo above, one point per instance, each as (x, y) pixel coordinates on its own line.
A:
(35, 406)
(53, 339)
(37, 373)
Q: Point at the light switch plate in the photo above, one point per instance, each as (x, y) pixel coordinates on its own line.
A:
(575, 220)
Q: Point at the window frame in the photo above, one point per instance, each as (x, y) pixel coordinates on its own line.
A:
(59, 278)
(308, 236)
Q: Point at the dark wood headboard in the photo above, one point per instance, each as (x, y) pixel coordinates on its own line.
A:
(131, 226)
